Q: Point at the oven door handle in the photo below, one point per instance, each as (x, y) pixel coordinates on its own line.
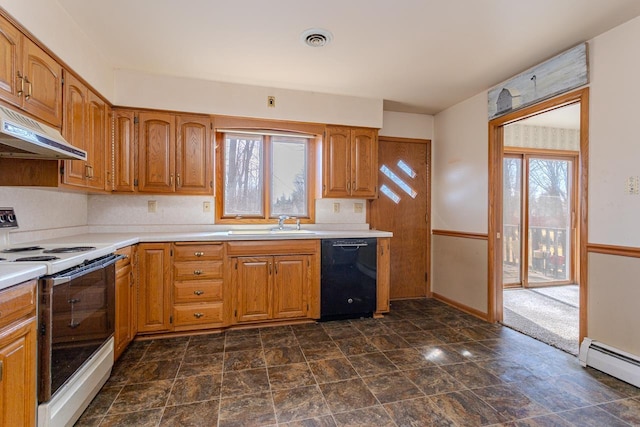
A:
(65, 278)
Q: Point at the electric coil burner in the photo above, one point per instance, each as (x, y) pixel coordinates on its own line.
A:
(37, 258)
(67, 250)
(21, 249)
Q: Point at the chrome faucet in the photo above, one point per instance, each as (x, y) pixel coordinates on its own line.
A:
(281, 220)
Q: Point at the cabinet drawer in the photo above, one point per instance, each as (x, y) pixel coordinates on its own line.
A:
(197, 270)
(195, 291)
(197, 314)
(17, 301)
(198, 252)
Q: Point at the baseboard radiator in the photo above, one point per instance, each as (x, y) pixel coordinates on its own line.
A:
(610, 360)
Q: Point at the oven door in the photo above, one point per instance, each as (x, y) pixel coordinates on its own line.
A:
(76, 317)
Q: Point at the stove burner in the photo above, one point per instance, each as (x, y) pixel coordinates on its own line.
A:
(69, 250)
(22, 249)
(38, 258)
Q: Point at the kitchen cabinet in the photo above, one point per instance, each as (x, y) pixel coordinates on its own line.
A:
(85, 125)
(383, 273)
(174, 153)
(126, 300)
(198, 278)
(123, 150)
(30, 78)
(18, 355)
(154, 287)
(350, 162)
(273, 280)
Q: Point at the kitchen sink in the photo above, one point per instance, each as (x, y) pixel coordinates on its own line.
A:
(276, 232)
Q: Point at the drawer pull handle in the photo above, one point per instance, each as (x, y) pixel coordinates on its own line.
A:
(199, 254)
(198, 292)
(197, 272)
(198, 315)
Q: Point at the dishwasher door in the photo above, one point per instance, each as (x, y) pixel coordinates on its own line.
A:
(348, 278)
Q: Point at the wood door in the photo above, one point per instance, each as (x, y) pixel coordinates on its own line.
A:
(11, 50)
(253, 288)
(123, 150)
(43, 84)
(75, 130)
(154, 291)
(290, 287)
(406, 215)
(18, 380)
(97, 140)
(364, 163)
(194, 158)
(336, 174)
(156, 152)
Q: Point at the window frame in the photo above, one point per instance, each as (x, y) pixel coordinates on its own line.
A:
(312, 147)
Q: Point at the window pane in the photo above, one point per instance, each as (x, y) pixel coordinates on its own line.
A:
(243, 186)
(289, 177)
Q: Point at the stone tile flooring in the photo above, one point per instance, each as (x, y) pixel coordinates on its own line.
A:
(425, 364)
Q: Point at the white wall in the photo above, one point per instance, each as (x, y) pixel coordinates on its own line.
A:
(407, 125)
(459, 183)
(51, 25)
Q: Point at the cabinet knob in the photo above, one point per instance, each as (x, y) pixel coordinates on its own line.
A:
(198, 292)
(197, 272)
(199, 254)
(198, 315)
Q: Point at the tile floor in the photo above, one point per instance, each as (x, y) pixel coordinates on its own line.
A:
(426, 364)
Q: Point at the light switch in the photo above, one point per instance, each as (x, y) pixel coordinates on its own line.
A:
(206, 206)
(357, 207)
(336, 208)
(152, 206)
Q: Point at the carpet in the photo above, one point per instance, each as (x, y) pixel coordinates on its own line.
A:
(549, 314)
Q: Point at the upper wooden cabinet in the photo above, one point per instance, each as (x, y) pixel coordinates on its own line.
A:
(85, 125)
(350, 162)
(29, 77)
(174, 154)
(123, 150)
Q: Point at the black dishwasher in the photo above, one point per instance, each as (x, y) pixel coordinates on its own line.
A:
(348, 278)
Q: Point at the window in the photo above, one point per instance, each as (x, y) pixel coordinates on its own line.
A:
(265, 175)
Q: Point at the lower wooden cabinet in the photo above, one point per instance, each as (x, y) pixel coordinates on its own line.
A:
(126, 300)
(272, 287)
(154, 287)
(383, 275)
(18, 355)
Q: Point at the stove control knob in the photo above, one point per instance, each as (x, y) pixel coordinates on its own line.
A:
(3, 218)
(11, 218)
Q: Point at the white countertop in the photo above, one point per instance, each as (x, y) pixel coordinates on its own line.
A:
(13, 274)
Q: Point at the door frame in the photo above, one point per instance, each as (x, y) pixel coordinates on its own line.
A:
(496, 155)
(428, 207)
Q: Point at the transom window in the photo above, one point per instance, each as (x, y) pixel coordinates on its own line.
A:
(265, 175)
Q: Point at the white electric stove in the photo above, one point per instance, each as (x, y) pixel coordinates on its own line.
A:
(55, 257)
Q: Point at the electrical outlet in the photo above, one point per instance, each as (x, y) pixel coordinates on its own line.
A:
(357, 207)
(336, 208)
(206, 207)
(632, 184)
(152, 206)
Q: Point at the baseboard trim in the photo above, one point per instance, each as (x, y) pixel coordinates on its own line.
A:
(461, 307)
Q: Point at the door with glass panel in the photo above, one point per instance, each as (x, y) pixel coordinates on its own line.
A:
(539, 200)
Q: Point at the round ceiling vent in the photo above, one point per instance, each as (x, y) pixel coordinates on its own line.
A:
(316, 37)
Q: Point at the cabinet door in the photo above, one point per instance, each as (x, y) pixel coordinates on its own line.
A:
(337, 162)
(122, 334)
(383, 272)
(364, 163)
(43, 84)
(96, 140)
(253, 288)
(156, 153)
(154, 305)
(123, 150)
(11, 62)
(74, 129)
(194, 159)
(290, 286)
(18, 380)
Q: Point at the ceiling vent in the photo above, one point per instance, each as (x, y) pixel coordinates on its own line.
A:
(316, 37)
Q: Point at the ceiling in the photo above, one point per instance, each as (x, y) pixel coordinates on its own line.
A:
(419, 56)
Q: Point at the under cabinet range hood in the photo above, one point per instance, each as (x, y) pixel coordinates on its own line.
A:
(24, 138)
